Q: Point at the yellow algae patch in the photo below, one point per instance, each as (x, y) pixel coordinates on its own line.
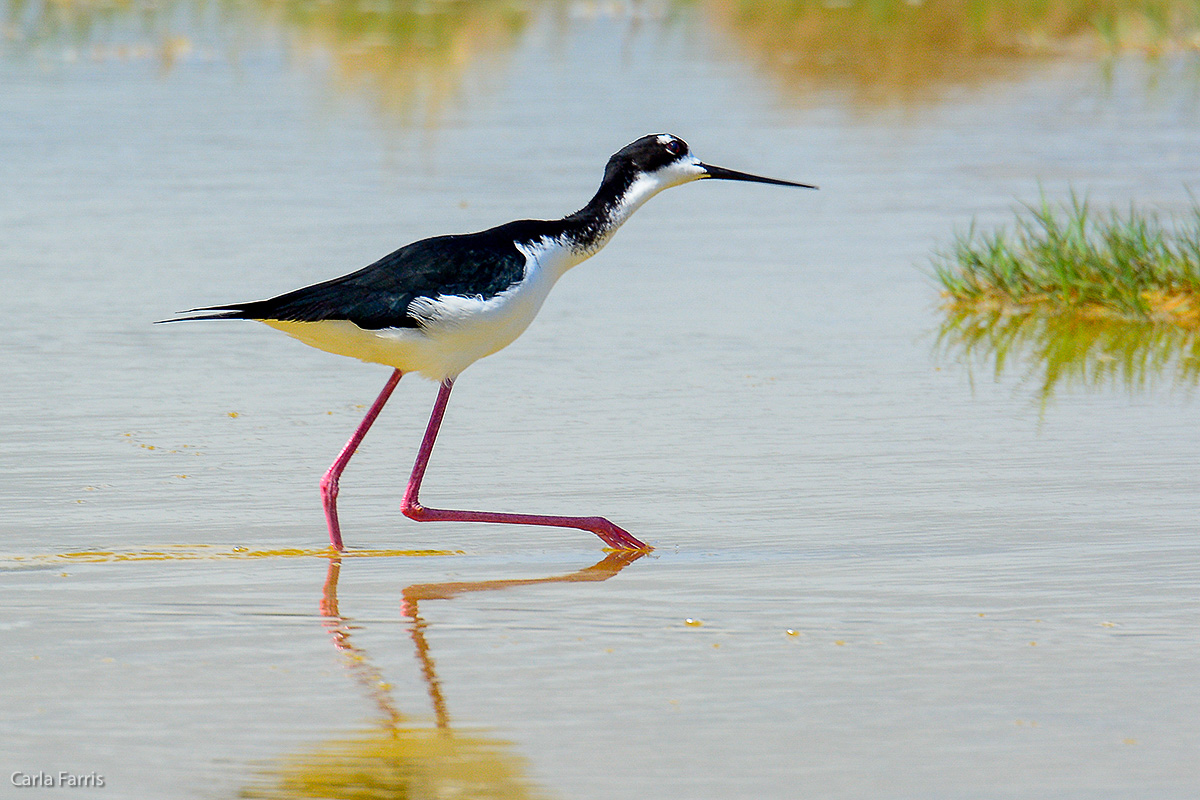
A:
(401, 762)
(204, 552)
(1181, 309)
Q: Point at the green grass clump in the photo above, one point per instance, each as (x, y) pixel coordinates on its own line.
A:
(1071, 259)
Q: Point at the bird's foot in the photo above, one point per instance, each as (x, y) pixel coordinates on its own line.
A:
(329, 493)
(617, 537)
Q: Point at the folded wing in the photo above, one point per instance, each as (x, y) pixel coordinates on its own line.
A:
(379, 296)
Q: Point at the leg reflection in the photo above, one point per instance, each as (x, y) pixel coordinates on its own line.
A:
(371, 679)
(411, 596)
(401, 757)
(364, 672)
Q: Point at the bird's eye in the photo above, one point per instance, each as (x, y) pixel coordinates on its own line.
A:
(675, 147)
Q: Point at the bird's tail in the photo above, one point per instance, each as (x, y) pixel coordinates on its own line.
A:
(235, 311)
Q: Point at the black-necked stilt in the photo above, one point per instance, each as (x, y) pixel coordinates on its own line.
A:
(438, 305)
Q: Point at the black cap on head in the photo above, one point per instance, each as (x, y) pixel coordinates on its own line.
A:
(652, 153)
(647, 154)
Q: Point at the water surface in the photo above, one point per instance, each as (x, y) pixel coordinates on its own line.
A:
(913, 578)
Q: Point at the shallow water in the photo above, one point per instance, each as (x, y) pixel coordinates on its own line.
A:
(913, 577)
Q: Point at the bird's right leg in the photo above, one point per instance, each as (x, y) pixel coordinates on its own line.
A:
(329, 483)
(614, 536)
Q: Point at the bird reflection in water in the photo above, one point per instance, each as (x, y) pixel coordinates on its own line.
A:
(402, 758)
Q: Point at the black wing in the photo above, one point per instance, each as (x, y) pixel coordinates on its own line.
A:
(378, 296)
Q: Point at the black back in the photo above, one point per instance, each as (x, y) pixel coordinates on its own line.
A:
(378, 296)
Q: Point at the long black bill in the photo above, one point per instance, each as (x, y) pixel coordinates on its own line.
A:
(720, 173)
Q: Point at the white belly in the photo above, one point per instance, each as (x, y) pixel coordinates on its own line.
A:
(459, 330)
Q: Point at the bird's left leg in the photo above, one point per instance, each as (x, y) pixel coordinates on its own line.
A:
(329, 483)
(613, 535)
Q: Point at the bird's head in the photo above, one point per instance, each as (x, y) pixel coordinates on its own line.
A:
(660, 161)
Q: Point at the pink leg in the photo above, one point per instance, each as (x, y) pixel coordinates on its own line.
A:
(612, 535)
(329, 483)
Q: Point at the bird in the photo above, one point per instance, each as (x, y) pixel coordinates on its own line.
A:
(436, 306)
